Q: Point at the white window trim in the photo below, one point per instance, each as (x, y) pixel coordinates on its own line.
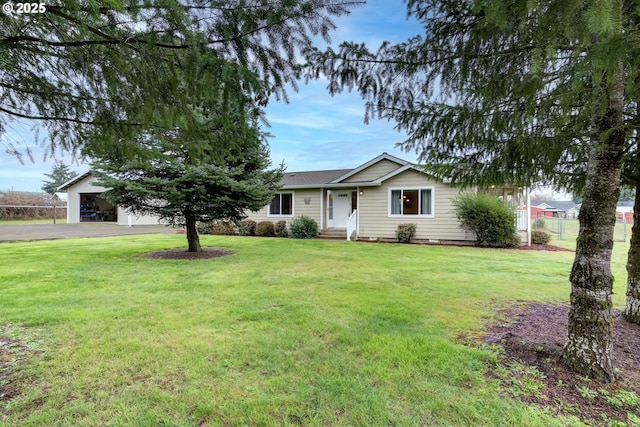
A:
(293, 204)
(433, 199)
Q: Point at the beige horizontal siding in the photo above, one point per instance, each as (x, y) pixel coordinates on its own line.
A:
(374, 171)
(311, 210)
(299, 207)
(375, 222)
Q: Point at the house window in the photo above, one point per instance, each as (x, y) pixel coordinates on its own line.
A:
(281, 205)
(411, 202)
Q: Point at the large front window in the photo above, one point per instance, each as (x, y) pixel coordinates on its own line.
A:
(411, 201)
(281, 205)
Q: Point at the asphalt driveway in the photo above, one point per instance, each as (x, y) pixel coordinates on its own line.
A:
(12, 233)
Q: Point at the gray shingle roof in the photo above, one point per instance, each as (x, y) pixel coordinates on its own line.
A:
(312, 177)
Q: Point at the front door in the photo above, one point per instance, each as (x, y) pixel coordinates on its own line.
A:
(338, 208)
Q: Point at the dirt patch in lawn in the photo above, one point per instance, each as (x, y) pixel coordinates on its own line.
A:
(532, 337)
(16, 347)
(206, 253)
(12, 353)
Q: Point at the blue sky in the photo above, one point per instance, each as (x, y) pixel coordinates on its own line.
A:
(314, 131)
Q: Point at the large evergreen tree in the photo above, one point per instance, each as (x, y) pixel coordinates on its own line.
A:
(86, 71)
(518, 92)
(208, 163)
(182, 191)
(221, 180)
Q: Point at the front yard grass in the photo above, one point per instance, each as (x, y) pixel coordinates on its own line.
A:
(282, 332)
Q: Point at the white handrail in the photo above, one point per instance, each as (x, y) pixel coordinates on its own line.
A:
(520, 217)
(352, 223)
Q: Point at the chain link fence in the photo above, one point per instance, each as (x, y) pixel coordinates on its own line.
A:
(567, 229)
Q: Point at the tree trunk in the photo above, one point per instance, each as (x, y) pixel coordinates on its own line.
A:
(590, 329)
(192, 234)
(632, 311)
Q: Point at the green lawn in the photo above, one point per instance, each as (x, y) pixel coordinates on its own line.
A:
(282, 332)
(618, 258)
(571, 228)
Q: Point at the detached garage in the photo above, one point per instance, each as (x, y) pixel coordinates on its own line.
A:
(85, 204)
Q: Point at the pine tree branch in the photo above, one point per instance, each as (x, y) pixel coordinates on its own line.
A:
(78, 121)
(54, 93)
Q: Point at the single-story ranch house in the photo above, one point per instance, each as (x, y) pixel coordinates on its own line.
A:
(370, 201)
(84, 204)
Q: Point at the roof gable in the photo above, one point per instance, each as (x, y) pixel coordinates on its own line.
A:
(372, 173)
(366, 174)
(75, 180)
(404, 168)
(378, 159)
(63, 197)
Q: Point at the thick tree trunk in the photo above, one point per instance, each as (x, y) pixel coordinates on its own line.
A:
(192, 234)
(632, 311)
(590, 329)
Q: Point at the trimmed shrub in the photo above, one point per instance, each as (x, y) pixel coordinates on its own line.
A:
(538, 223)
(223, 228)
(405, 232)
(265, 229)
(281, 229)
(304, 227)
(247, 227)
(539, 237)
(204, 227)
(490, 218)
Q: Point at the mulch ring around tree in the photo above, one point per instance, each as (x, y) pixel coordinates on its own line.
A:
(532, 336)
(179, 254)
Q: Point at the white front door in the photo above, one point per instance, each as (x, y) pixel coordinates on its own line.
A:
(338, 208)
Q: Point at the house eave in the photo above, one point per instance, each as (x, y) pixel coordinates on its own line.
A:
(331, 185)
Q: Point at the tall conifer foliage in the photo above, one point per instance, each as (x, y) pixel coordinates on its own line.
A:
(518, 92)
(86, 71)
